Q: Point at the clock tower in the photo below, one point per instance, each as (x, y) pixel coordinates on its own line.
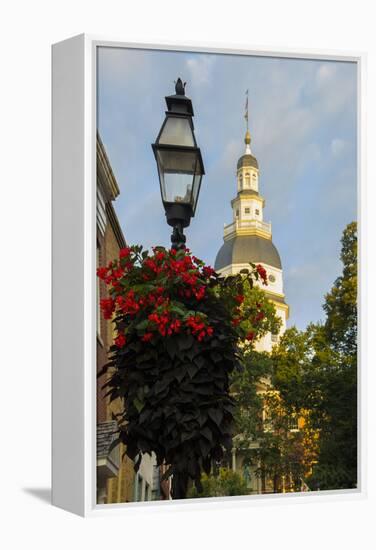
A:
(248, 238)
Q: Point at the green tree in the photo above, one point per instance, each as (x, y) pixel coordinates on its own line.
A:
(264, 417)
(341, 302)
(337, 466)
(249, 401)
(225, 483)
(317, 370)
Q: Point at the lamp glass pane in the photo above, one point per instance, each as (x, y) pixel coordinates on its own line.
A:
(196, 189)
(177, 173)
(177, 131)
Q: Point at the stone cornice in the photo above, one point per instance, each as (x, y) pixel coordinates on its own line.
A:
(105, 175)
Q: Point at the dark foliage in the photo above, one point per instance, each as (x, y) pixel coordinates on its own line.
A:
(176, 397)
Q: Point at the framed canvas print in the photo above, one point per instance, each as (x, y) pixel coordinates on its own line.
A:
(205, 275)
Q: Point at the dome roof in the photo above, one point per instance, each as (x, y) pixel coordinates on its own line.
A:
(247, 160)
(243, 249)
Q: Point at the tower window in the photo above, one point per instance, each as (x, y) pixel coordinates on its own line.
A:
(237, 213)
(247, 211)
(257, 212)
(247, 180)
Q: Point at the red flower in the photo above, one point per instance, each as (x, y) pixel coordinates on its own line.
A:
(239, 298)
(160, 256)
(250, 336)
(200, 293)
(120, 341)
(259, 316)
(201, 335)
(262, 272)
(147, 337)
(125, 252)
(198, 328)
(102, 272)
(235, 321)
(208, 272)
(150, 264)
(175, 325)
(161, 321)
(108, 307)
(118, 273)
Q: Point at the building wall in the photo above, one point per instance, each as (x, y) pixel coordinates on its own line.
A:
(120, 488)
(110, 240)
(126, 486)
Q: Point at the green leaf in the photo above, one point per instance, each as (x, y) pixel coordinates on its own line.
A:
(216, 415)
(138, 404)
(192, 369)
(171, 346)
(176, 309)
(142, 325)
(200, 361)
(205, 432)
(216, 356)
(185, 342)
(179, 373)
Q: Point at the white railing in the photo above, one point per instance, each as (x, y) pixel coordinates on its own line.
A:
(247, 224)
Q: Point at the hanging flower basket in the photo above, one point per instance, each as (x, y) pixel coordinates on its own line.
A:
(178, 325)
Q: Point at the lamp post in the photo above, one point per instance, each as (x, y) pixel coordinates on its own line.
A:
(180, 165)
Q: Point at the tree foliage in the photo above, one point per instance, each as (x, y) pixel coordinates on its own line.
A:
(317, 370)
(225, 483)
(341, 302)
(265, 425)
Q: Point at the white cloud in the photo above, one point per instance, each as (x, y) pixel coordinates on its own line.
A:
(200, 68)
(337, 146)
(325, 73)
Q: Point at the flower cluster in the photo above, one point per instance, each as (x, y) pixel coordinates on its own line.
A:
(167, 292)
(198, 327)
(108, 307)
(164, 324)
(262, 273)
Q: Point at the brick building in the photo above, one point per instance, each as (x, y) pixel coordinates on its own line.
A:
(116, 479)
(115, 476)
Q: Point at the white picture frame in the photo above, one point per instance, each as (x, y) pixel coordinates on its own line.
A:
(74, 283)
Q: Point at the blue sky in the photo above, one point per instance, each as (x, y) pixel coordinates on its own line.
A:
(302, 117)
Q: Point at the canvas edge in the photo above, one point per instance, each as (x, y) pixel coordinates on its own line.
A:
(88, 505)
(68, 171)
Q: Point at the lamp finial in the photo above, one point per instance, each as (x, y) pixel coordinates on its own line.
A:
(180, 87)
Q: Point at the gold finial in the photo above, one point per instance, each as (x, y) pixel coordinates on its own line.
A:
(247, 139)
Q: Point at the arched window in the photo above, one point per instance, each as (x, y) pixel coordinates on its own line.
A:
(247, 180)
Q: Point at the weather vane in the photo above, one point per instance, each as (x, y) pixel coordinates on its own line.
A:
(246, 107)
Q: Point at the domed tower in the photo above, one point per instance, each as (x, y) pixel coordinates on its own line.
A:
(249, 239)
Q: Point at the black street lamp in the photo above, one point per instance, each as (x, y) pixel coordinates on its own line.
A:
(179, 162)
